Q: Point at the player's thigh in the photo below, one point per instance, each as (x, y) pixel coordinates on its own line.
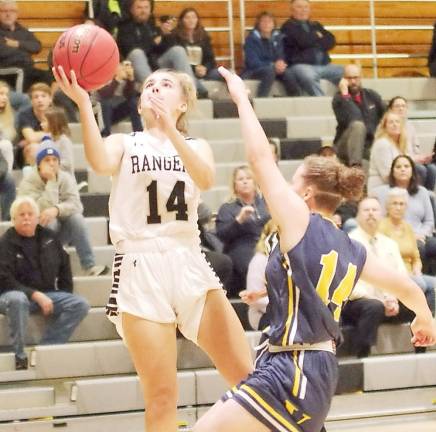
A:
(229, 416)
(221, 335)
(153, 348)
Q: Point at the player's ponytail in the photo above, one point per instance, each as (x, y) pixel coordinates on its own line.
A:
(333, 181)
(351, 182)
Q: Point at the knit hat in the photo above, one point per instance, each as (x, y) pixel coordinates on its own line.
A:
(47, 150)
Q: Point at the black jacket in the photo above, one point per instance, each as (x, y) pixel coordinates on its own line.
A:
(240, 240)
(370, 112)
(133, 35)
(21, 56)
(54, 263)
(306, 47)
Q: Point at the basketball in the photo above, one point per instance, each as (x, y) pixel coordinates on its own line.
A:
(91, 52)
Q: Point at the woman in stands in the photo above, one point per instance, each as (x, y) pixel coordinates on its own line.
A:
(56, 125)
(426, 169)
(192, 35)
(395, 227)
(309, 275)
(419, 212)
(390, 141)
(239, 224)
(161, 280)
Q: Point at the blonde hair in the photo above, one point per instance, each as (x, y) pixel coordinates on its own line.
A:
(188, 91)
(7, 118)
(262, 245)
(247, 170)
(382, 133)
(15, 207)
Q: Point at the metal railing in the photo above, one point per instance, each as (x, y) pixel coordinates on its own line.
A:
(373, 27)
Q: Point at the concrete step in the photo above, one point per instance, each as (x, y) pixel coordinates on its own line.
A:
(293, 107)
(97, 358)
(27, 397)
(95, 326)
(103, 256)
(124, 393)
(113, 422)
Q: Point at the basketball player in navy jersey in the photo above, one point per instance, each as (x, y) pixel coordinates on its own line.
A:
(161, 279)
(309, 275)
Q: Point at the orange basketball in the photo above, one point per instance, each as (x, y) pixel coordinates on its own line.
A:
(91, 52)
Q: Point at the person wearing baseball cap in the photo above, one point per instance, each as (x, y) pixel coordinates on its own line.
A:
(57, 196)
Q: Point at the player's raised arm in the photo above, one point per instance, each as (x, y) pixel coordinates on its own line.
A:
(288, 210)
(104, 156)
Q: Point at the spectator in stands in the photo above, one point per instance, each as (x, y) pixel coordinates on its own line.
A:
(17, 44)
(57, 196)
(55, 125)
(358, 111)
(432, 54)
(395, 227)
(239, 224)
(35, 276)
(257, 311)
(109, 13)
(423, 162)
(7, 135)
(212, 247)
(7, 184)
(193, 36)
(29, 128)
(368, 307)
(390, 141)
(306, 44)
(7, 114)
(119, 99)
(149, 47)
(419, 212)
(264, 57)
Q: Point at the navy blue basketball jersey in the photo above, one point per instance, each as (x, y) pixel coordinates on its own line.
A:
(308, 285)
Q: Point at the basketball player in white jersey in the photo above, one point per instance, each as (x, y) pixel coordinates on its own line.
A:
(161, 280)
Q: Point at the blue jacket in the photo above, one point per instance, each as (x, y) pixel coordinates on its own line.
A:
(260, 52)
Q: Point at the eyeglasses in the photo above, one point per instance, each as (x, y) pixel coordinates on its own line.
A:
(8, 10)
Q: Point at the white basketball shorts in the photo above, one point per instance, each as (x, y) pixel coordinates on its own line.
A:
(162, 286)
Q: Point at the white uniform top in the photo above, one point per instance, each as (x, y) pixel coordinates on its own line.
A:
(152, 195)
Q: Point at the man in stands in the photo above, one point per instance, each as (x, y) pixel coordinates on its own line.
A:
(35, 276)
(358, 111)
(57, 196)
(306, 44)
(17, 44)
(368, 307)
(29, 121)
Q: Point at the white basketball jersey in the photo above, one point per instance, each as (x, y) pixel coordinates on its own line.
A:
(152, 195)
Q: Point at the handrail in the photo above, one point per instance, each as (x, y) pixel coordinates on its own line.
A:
(373, 27)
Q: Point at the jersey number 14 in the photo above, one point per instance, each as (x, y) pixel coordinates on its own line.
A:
(175, 203)
(342, 291)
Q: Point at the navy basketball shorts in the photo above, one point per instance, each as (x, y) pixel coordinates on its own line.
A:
(289, 391)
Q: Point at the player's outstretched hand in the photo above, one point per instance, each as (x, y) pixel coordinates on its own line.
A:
(236, 86)
(70, 86)
(424, 332)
